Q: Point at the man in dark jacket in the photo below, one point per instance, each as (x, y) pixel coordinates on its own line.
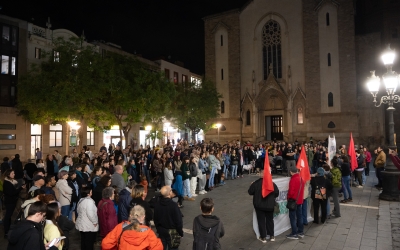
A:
(27, 234)
(18, 170)
(125, 197)
(264, 209)
(167, 216)
(207, 228)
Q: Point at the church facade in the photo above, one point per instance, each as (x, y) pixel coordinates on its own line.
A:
(287, 70)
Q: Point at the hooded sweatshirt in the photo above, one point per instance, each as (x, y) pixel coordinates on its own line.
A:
(25, 206)
(208, 221)
(131, 239)
(26, 235)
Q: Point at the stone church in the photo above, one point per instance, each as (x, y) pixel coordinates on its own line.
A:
(287, 70)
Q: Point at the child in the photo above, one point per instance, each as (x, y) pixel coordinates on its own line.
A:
(207, 228)
(144, 182)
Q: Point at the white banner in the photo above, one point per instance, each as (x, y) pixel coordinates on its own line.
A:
(331, 147)
(281, 220)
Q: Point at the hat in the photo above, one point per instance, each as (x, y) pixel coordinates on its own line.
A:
(293, 169)
(320, 171)
(38, 177)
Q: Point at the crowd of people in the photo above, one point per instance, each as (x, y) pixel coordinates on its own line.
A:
(103, 194)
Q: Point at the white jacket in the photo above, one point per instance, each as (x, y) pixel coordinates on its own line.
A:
(65, 192)
(87, 211)
(168, 177)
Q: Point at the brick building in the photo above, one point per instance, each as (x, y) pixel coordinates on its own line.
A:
(292, 70)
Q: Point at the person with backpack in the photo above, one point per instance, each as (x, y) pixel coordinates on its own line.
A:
(207, 228)
(264, 207)
(321, 188)
(337, 185)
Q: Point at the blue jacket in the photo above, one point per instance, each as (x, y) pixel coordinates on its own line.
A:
(178, 185)
(124, 205)
(227, 159)
(203, 165)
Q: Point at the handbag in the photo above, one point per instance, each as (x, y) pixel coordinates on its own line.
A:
(292, 203)
(320, 193)
(175, 238)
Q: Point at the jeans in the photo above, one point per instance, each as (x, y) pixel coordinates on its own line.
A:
(234, 172)
(72, 210)
(347, 190)
(364, 178)
(186, 188)
(65, 211)
(328, 207)
(226, 171)
(304, 211)
(296, 220)
(335, 196)
(378, 173)
(212, 176)
(202, 182)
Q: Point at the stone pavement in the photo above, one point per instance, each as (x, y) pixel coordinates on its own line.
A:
(366, 223)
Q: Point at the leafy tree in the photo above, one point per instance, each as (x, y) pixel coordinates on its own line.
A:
(194, 106)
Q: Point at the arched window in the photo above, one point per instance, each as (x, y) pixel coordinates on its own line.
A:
(329, 59)
(248, 120)
(330, 99)
(222, 107)
(300, 116)
(272, 49)
(222, 74)
(327, 19)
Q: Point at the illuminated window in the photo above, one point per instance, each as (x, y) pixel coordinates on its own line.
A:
(56, 135)
(5, 61)
(272, 49)
(56, 56)
(300, 115)
(90, 136)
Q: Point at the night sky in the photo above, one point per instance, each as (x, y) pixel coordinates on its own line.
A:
(153, 28)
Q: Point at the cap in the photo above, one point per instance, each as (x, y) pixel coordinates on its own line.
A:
(320, 171)
(293, 169)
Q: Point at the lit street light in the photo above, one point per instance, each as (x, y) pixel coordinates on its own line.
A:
(391, 80)
(218, 125)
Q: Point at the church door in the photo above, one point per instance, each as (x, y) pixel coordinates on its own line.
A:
(274, 127)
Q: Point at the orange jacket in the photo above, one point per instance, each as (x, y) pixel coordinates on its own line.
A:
(131, 239)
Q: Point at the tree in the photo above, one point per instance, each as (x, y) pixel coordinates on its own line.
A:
(76, 82)
(195, 104)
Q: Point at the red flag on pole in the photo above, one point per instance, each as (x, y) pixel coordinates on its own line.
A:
(352, 154)
(302, 165)
(267, 185)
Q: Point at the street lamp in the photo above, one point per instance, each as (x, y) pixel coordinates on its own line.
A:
(391, 80)
(218, 125)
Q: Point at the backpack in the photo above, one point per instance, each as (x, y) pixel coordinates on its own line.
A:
(204, 238)
(336, 177)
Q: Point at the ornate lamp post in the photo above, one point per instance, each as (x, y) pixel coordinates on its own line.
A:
(391, 80)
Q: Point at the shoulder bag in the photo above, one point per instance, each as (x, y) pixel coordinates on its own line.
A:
(292, 203)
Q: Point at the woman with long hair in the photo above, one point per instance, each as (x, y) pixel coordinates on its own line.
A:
(138, 198)
(168, 175)
(87, 222)
(132, 234)
(11, 191)
(193, 175)
(51, 228)
(96, 175)
(157, 169)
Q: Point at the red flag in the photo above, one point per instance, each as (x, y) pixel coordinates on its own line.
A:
(302, 165)
(352, 154)
(267, 185)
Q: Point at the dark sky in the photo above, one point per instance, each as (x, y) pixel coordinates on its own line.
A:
(153, 28)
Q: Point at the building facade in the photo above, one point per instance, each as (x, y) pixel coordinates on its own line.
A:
(289, 70)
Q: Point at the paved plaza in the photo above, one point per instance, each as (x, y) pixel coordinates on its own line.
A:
(367, 223)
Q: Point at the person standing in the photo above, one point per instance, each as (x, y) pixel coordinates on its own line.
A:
(193, 176)
(117, 179)
(87, 222)
(264, 207)
(65, 192)
(360, 168)
(296, 192)
(346, 177)
(11, 190)
(207, 228)
(203, 167)
(125, 197)
(379, 164)
(320, 186)
(187, 195)
(337, 185)
(18, 170)
(52, 229)
(27, 235)
(289, 156)
(106, 212)
(167, 216)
